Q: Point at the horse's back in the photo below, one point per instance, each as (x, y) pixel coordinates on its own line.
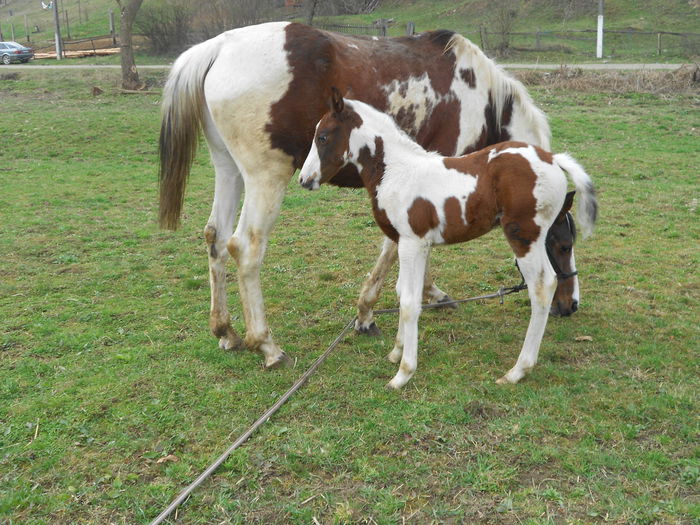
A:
(271, 83)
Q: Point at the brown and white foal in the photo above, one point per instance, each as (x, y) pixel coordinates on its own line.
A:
(420, 199)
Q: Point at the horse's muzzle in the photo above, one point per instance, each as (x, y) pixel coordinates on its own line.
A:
(310, 184)
(561, 310)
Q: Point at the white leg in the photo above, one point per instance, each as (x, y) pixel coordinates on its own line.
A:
(261, 206)
(541, 285)
(369, 293)
(412, 260)
(372, 286)
(227, 194)
(431, 293)
(397, 352)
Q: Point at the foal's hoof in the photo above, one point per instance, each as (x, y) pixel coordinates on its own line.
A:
(371, 330)
(282, 361)
(393, 387)
(448, 302)
(511, 378)
(395, 355)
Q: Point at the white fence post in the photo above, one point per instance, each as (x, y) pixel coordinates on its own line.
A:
(599, 40)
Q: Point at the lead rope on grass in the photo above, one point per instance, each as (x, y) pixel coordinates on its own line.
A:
(503, 291)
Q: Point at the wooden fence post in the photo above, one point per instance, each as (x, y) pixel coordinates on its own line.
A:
(26, 28)
(482, 36)
(65, 16)
(411, 29)
(111, 28)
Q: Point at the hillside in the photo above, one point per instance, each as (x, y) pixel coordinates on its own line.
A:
(555, 19)
(479, 20)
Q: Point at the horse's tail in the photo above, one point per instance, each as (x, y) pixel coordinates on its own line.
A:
(587, 207)
(182, 112)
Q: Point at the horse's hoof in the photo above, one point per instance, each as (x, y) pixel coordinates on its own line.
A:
(282, 361)
(231, 342)
(449, 302)
(372, 330)
(391, 386)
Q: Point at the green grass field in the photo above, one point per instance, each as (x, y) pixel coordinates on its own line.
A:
(113, 395)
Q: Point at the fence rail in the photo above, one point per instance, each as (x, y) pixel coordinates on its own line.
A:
(377, 30)
(617, 42)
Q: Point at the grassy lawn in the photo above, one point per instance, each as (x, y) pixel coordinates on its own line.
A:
(113, 395)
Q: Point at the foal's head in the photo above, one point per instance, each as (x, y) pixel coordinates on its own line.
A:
(560, 249)
(330, 150)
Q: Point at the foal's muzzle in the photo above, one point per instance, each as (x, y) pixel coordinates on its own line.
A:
(560, 310)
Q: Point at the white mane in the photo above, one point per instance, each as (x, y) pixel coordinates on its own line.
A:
(502, 86)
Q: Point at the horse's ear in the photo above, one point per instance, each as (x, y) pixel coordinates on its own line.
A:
(337, 103)
(568, 203)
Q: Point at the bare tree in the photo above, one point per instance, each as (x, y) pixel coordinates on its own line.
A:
(311, 11)
(337, 7)
(215, 16)
(504, 15)
(167, 24)
(565, 9)
(130, 76)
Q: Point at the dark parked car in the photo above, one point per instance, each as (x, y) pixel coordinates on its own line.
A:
(14, 52)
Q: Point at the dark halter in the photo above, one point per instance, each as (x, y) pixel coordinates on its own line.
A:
(561, 276)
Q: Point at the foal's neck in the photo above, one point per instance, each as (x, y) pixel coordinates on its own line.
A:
(385, 144)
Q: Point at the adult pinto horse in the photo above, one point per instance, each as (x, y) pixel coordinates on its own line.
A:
(257, 93)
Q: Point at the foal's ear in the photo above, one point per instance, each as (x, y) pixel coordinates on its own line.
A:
(568, 203)
(337, 103)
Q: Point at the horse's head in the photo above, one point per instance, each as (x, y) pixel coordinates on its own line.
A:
(330, 150)
(560, 249)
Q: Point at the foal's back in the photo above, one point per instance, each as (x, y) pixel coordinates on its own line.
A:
(476, 192)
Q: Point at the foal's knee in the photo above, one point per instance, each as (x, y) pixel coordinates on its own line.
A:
(409, 311)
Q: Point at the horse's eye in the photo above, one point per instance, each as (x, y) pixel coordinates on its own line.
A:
(566, 249)
(322, 139)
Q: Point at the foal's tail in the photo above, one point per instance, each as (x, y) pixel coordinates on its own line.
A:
(182, 113)
(587, 207)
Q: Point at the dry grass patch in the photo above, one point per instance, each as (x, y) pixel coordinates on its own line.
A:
(685, 79)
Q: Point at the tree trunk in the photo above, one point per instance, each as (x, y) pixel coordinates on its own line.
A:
(130, 76)
(311, 10)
